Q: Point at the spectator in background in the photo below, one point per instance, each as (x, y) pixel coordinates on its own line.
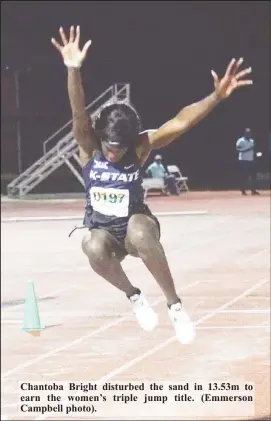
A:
(157, 170)
(245, 146)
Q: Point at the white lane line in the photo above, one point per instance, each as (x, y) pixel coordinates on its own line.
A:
(80, 339)
(80, 217)
(163, 344)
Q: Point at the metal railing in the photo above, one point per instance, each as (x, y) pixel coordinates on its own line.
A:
(65, 146)
(118, 91)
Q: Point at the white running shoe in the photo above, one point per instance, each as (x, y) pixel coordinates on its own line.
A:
(185, 330)
(146, 316)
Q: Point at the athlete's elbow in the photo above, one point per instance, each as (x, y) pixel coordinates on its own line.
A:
(182, 123)
(79, 136)
(81, 130)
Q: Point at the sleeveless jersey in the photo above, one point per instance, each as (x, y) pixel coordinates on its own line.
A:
(113, 190)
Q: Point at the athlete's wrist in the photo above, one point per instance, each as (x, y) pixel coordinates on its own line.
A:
(216, 97)
(74, 71)
(73, 66)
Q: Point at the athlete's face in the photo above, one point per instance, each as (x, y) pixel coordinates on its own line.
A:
(113, 154)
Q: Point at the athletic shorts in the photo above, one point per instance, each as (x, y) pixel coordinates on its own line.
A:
(117, 227)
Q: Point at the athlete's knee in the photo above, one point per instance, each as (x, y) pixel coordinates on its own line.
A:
(95, 247)
(142, 232)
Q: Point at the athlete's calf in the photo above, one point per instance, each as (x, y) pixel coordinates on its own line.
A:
(143, 241)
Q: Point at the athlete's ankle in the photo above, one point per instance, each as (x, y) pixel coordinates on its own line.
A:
(132, 292)
(174, 301)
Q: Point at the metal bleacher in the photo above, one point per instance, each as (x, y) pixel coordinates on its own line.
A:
(61, 148)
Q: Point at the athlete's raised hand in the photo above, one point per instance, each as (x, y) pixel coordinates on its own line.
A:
(70, 50)
(232, 79)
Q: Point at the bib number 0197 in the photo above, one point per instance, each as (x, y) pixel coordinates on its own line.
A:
(108, 197)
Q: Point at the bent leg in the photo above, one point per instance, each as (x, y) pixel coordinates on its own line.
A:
(143, 241)
(105, 254)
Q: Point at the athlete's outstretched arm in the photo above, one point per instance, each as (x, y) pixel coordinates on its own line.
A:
(73, 58)
(192, 114)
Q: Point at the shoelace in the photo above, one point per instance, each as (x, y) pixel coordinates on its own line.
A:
(139, 302)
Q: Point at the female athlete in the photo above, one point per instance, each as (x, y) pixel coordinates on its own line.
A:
(112, 151)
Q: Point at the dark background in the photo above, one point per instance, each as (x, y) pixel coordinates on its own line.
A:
(165, 50)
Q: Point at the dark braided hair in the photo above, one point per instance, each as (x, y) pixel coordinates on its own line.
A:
(118, 125)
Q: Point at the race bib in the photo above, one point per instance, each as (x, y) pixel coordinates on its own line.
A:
(110, 202)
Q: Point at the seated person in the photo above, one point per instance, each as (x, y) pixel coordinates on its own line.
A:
(157, 170)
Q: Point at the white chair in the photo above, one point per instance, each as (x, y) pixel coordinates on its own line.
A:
(153, 184)
(182, 181)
